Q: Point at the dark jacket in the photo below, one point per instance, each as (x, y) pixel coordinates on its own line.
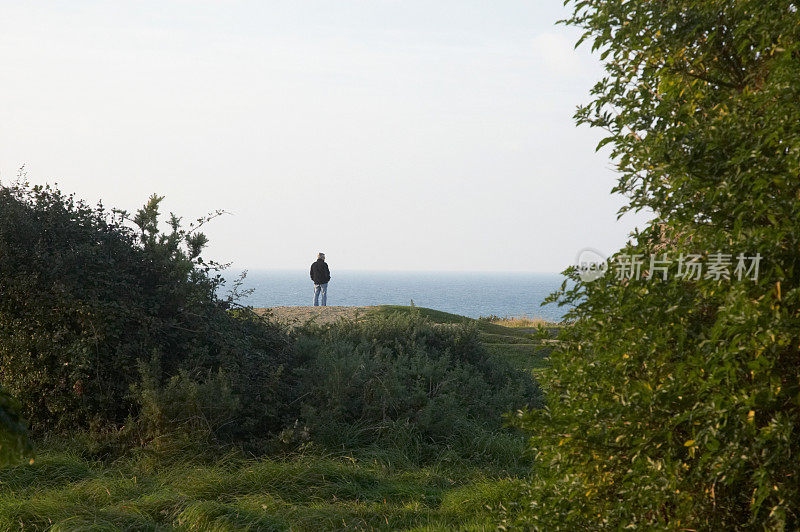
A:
(319, 272)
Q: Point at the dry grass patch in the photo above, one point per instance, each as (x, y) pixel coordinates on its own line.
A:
(517, 321)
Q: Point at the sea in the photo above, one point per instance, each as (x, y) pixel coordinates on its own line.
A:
(472, 294)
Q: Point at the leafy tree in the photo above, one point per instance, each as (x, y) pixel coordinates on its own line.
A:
(103, 319)
(676, 403)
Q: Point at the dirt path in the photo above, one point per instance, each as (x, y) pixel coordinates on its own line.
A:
(294, 316)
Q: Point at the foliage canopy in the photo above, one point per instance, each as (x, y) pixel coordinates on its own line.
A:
(102, 319)
(676, 404)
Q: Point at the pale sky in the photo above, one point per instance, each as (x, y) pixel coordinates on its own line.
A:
(392, 135)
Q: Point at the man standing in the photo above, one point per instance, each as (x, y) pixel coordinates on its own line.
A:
(320, 275)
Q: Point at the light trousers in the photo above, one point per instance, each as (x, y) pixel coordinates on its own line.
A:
(323, 290)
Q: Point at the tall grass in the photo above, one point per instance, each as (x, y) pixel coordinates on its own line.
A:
(66, 490)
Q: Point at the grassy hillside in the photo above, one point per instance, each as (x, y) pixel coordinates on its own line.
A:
(517, 345)
(73, 485)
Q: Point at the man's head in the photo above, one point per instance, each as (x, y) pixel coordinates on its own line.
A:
(321, 256)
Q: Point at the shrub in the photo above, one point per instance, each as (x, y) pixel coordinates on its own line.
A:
(14, 442)
(403, 382)
(98, 319)
(676, 404)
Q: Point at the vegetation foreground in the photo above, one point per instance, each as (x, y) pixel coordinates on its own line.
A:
(66, 491)
(75, 483)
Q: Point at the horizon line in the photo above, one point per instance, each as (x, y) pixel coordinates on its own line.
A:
(261, 269)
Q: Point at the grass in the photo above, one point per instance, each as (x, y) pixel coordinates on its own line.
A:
(64, 491)
(70, 488)
(438, 316)
(519, 321)
(517, 344)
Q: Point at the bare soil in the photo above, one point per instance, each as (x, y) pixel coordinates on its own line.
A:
(294, 316)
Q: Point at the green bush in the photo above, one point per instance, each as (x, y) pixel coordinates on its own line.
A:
(401, 381)
(103, 318)
(14, 442)
(676, 404)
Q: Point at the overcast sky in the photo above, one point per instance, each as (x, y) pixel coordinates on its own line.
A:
(392, 135)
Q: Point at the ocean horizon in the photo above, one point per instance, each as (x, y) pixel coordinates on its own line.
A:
(472, 294)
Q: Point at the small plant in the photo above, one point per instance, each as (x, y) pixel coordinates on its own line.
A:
(14, 442)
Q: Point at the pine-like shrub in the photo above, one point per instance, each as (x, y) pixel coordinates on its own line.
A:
(401, 381)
